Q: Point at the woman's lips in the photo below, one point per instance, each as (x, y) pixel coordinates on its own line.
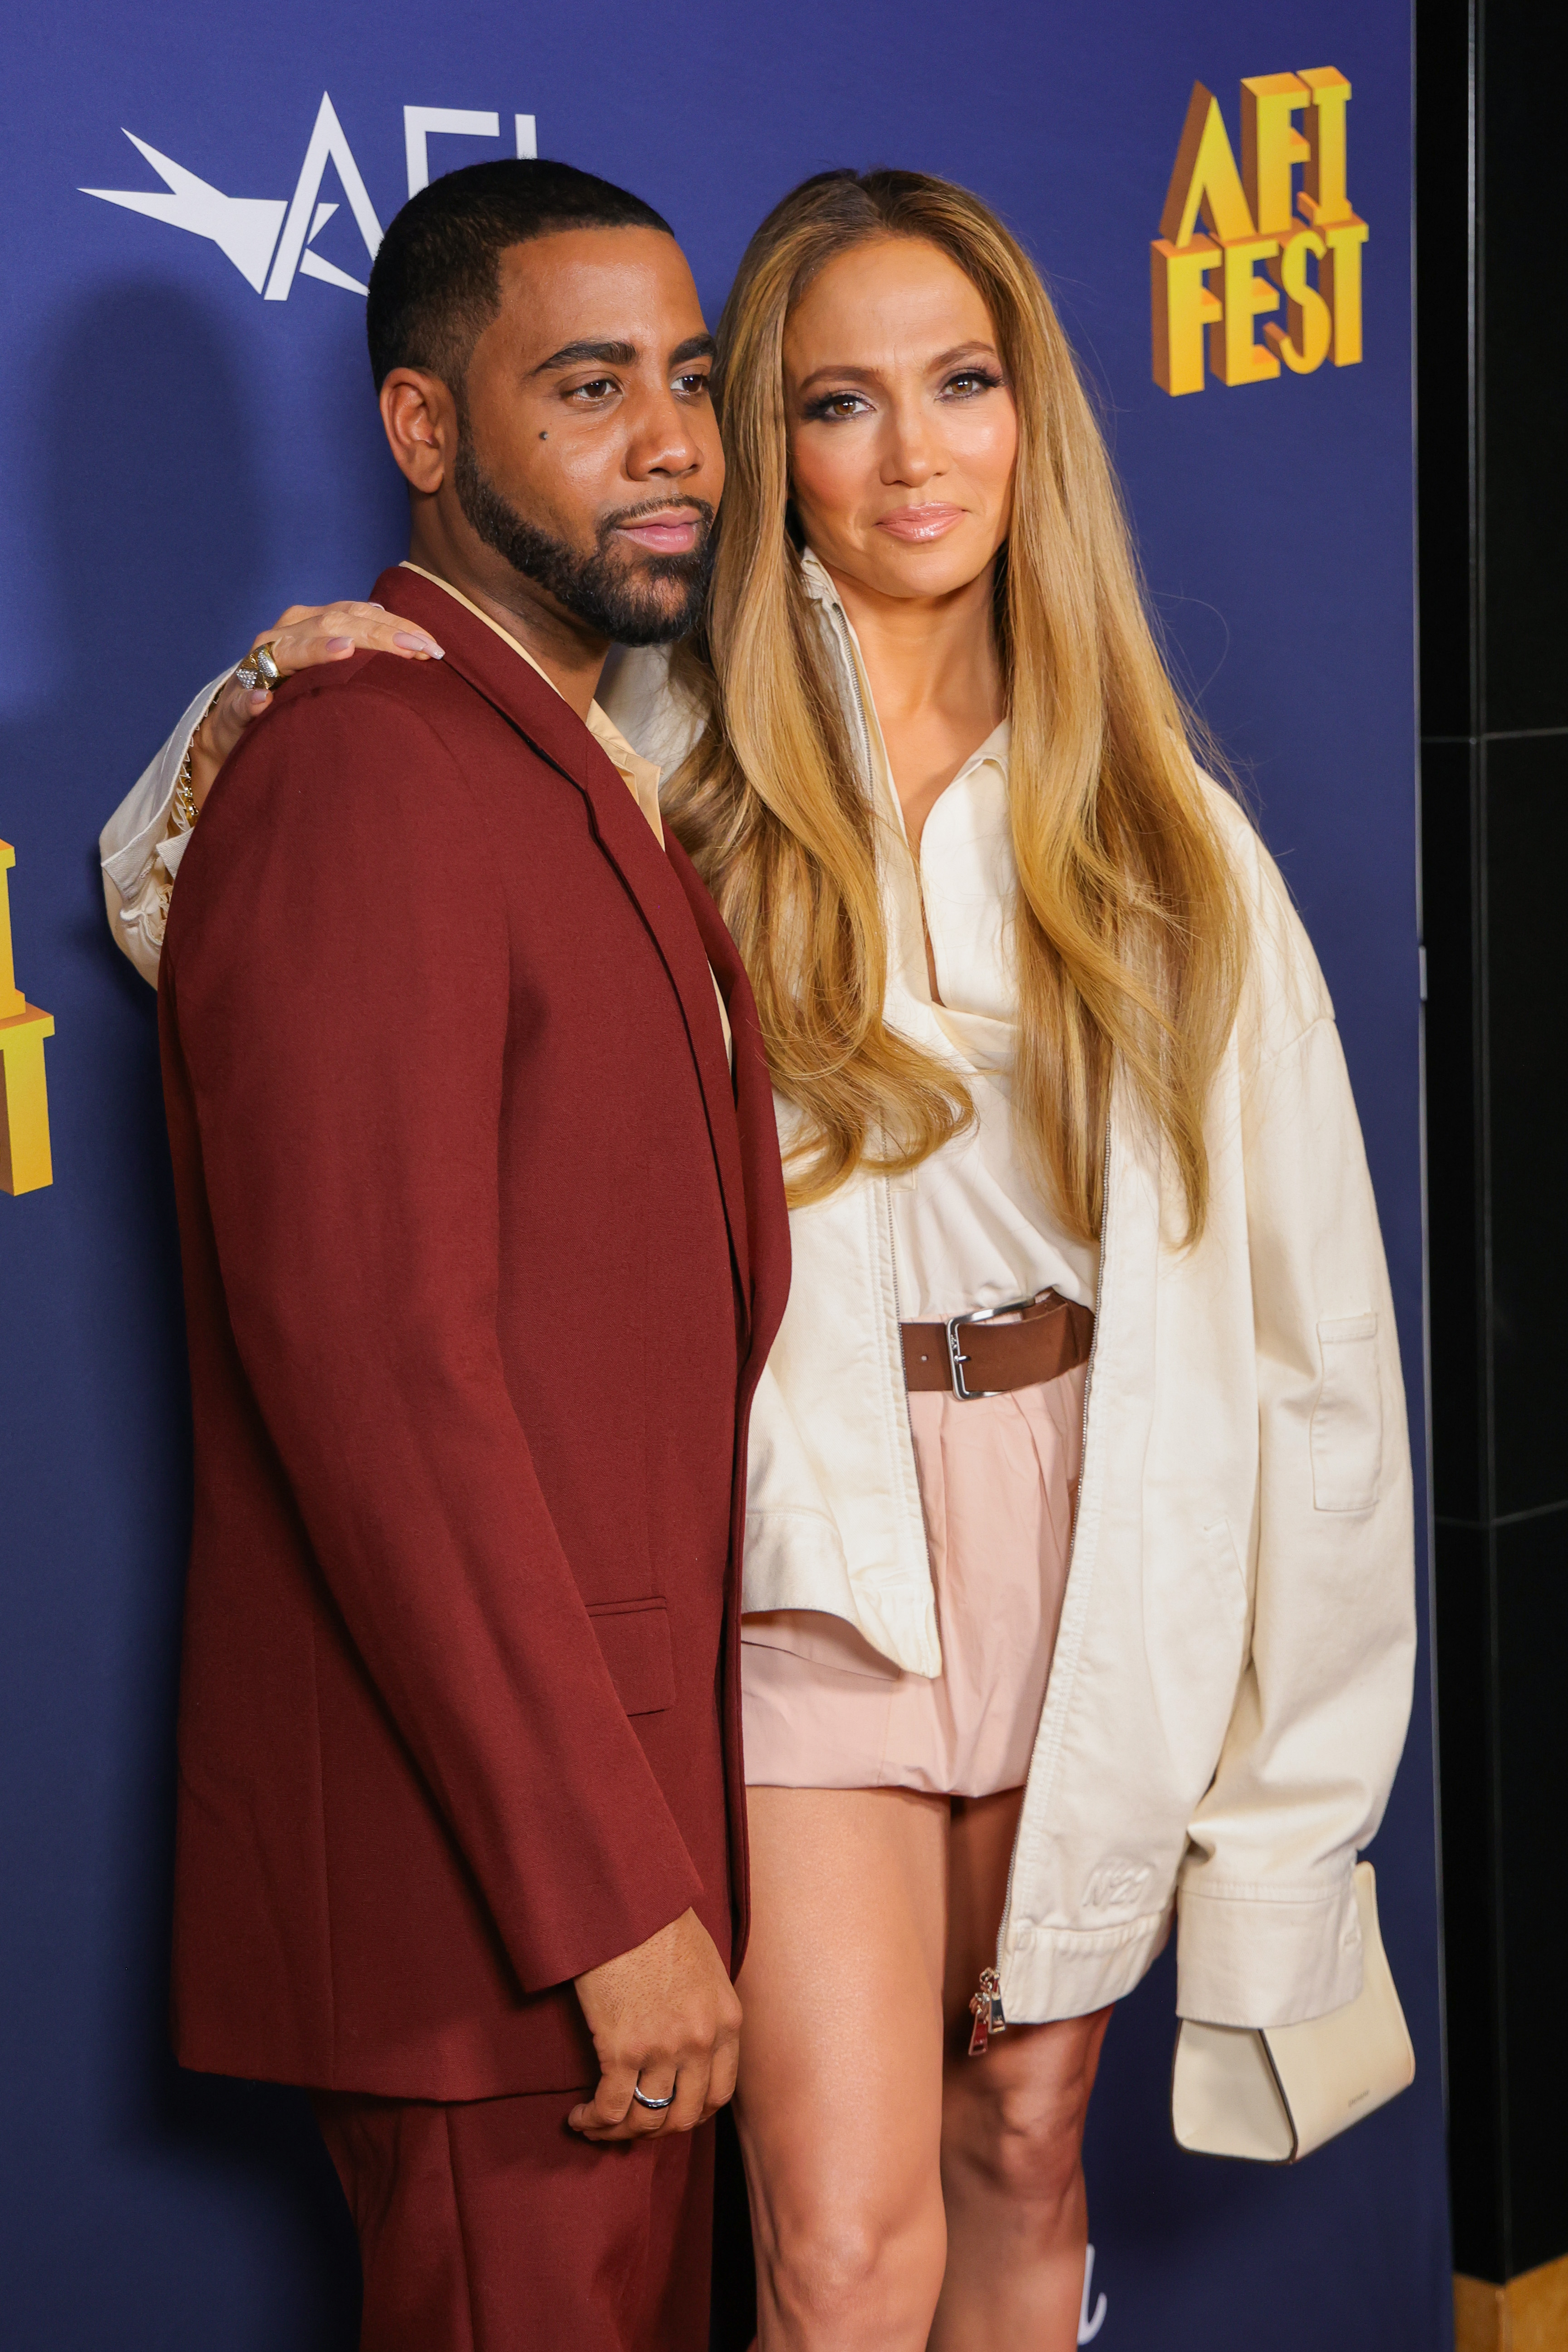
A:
(919, 523)
(665, 537)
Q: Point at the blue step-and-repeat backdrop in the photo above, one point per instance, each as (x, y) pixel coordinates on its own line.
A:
(194, 191)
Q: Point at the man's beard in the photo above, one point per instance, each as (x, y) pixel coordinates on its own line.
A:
(618, 598)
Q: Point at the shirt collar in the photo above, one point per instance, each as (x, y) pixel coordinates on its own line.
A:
(819, 585)
(639, 776)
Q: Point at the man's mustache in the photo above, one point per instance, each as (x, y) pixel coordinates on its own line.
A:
(650, 509)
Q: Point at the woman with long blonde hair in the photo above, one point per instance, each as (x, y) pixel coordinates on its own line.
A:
(1078, 1585)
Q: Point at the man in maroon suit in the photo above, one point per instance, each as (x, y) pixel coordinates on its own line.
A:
(484, 1243)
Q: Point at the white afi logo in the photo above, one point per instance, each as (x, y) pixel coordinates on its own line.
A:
(270, 238)
(1090, 2323)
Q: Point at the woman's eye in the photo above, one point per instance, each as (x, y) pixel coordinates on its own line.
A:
(834, 405)
(971, 381)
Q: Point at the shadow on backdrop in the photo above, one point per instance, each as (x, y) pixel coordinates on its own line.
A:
(154, 499)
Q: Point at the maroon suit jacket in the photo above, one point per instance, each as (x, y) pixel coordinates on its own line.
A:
(483, 1250)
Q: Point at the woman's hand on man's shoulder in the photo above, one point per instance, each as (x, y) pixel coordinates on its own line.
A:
(303, 637)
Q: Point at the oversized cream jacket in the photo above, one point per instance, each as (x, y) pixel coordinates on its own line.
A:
(1231, 1683)
(1232, 1679)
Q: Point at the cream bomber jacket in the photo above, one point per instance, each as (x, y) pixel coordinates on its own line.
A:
(1232, 1679)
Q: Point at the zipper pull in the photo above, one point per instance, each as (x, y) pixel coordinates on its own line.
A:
(985, 2007)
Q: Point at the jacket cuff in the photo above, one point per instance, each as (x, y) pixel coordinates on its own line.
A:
(1248, 1957)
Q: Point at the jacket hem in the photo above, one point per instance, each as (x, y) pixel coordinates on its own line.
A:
(796, 1559)
(1055, 1973)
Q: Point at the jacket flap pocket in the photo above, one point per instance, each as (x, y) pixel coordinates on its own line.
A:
(634, 1638)
(1347, 1419)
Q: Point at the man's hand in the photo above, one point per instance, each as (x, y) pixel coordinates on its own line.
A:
(664, 2018)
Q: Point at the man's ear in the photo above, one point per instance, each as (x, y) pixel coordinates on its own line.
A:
(421, 420)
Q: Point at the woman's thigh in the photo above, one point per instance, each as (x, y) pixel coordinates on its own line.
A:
(1013, 2120)
(980, 1834)
(839, 2102)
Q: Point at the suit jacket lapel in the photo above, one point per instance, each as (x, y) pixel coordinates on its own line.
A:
(531, 705)
(767, 1216)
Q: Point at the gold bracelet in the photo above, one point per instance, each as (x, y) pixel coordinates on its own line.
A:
(184, 806)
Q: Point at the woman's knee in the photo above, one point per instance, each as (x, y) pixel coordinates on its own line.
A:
(1017, 2128)
(856, 2278)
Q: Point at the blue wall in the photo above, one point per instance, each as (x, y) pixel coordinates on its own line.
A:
(186, 457)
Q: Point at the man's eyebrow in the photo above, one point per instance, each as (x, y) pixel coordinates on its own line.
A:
(695, 347)
(575, 354)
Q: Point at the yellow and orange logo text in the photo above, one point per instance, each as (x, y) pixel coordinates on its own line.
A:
(1265, 246)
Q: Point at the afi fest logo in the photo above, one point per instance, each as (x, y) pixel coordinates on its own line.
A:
(1307, 239)
(269, 239)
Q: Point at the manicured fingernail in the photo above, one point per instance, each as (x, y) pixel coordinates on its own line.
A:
(340, 645)
(419, 645)
(258, 698)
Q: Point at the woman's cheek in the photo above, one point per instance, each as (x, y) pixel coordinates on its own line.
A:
(834, 492)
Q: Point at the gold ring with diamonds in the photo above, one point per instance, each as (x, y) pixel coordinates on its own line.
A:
(260, 669)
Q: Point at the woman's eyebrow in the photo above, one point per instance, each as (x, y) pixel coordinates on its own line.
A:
(932, 366)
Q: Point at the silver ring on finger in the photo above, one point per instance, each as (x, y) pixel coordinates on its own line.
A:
(656, 2106)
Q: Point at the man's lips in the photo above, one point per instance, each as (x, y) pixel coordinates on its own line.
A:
(663, 534)
(919, 523)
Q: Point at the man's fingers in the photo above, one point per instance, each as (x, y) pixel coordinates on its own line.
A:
(613, 2114)
(690, 2106)
(721, 2078)
(608, 2108)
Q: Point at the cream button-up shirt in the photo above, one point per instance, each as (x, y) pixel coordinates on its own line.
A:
(970, 1226)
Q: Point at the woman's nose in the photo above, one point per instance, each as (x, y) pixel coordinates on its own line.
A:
(909, 453)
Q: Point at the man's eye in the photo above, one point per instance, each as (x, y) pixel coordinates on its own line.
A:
(601, 387)
(693, 386)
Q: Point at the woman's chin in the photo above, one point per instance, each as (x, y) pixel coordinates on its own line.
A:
(905, 568)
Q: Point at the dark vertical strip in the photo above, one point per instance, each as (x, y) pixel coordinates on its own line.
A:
(1493, 497)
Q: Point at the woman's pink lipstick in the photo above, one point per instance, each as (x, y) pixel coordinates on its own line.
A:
(917, 524)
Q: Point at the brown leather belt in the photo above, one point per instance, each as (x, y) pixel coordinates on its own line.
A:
(980, 1355)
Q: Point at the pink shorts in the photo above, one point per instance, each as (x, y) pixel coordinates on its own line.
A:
(823, 1710)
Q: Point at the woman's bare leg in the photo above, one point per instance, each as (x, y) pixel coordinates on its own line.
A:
(839, 2104)
(1012, 2138)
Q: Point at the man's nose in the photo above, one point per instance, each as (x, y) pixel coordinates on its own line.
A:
(667, 438)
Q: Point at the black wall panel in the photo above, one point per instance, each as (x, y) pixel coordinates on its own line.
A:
(1494, 692)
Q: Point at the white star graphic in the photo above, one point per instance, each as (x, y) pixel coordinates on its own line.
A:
(246, 228)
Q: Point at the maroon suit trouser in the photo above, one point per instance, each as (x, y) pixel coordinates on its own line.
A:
(488, 2226)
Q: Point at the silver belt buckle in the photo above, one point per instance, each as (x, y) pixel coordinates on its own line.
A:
(956, 1359)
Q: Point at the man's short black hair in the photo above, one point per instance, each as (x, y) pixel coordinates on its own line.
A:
(436, 283)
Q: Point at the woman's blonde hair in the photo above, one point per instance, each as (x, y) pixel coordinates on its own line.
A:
(1129, 936)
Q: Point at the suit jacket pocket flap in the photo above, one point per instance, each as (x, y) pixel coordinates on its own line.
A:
(634, 1638)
